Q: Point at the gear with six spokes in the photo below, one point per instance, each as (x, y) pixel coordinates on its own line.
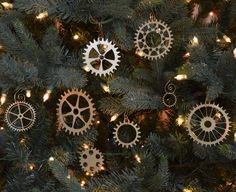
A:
(101, 57)
(91, 160)
(208, 124)
(123, 125)
(20, 116)
(75, 111)
(153, 39)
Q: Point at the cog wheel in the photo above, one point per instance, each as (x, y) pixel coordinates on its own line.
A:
(20, 116)
(117, 130)
(91, 160)
(153, 39)
(101, 57)
(208, 124)
(75, 111)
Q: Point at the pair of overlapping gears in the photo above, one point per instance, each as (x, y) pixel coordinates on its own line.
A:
(101, 57)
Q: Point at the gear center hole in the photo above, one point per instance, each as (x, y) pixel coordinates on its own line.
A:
(127, 133)
(153, 39)
(76, 111)
(207, 124)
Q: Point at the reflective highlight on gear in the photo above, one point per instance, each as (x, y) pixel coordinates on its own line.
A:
(208, 124)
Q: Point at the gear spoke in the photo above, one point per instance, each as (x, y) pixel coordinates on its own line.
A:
(77, 101)
(84, 109)
(101, 66)
(113, 62)
(73, 122)
(22, 124)
(13, 122)
(90, 60)
(28, 118)
(19, 108)
(82, 119)
(26, 111)
(96, 49)
(70, 105)
(68, 114)
(10, 112)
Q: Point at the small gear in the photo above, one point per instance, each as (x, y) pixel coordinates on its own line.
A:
(169, 99)
(91, 160)
(101, 57)
(75, 111)
(116, 133)
(153, 39)
(208, 124)
(20, 116)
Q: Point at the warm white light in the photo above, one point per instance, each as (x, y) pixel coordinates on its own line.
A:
(218, 40)
(195, 41)
(187, 190)
(180, 120)
(140, 53)
(86, 68)
(51, 159)
(87, 173)
(47, 95)
(98, 122)
(188, 1)
(28, 93)
(235, 137)
(105, 46)
(22, 141)
(138, 159)
(186, 55)
(7, 5)
(76, 37)
(181, 77)
(82, 183)
(234, 52)
(1, 47)
(1, 128)
(85, 146)
(42, 15)
(106, 88)
(31, 166)
(68, 177)
(227, 39)
(211, 13)
(114, 117)
(3, 98)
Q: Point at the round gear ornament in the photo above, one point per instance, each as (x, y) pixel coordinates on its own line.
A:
(122, 130)
(91, 161)
(20, 115)
(169, 99)
(75, 111)
(101, 57)
(153, 39)
(208, 124)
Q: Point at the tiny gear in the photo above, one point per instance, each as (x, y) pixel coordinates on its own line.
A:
(91, 160)
(124, 124)
(75, 111)
(208, 124)
(20, 116)
(101, 57)
(153, 39)
(169, 99)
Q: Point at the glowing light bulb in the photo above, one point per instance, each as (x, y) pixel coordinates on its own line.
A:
(31, 166)
(51, 159)
(188, 1)
(195, 41)
(28, 93)
(82, 183)
(76, 37)
(212, 13)
(42, 15)
(235, 137)
(181, 77)
(234, 52)
(105, 46)
(47, 95)
(68, 177)
(218, 40)
(106, 88)
(3, 98)
(227, 39)
(140, 53)
(138, 159)
(114, 117)
(186, 55)
(102, 168)
(180, 120)
(1, 47)
(87, 173)
(1, 128)
(98, 122)
(187, 190)
(7, 5)
(22, 141)
(86, 68)
(85, 146)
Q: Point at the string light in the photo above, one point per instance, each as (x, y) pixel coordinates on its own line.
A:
(235, 137)
(218, 40)
(195, 41)
(138, 159)
(7, 5)
(86, 68)
(22, 141)
(42, 15)
(140, 53)
(1, 128)
(227, 39)
(102, 168)
(76, 37)
(47, 95)
(187, 190)
(105, 87)
(51, 159)
(31, 166)
(188, 1)
(68, 177)
(186, 55)
(87, 173)
(85, 146)
(114, 117)
(234, 52)
(180, 120)
(1, 47)
(181, 77)
(212, 13)
(98, 122)
(28, 93)
(82, 183)
(3, 98)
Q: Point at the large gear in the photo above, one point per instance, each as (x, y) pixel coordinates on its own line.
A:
(20, 116)
(144, 39)
(101, 57)
(117, 138)
(208, 124)
(91, 160)
(75, 111)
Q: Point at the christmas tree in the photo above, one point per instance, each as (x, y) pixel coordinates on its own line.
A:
(118, 95)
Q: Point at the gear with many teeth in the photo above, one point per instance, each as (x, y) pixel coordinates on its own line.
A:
(20, 116)
(101, 57)
(75, 111)
(91, 160)
(208, 124)
(153, 39)
(116, 134)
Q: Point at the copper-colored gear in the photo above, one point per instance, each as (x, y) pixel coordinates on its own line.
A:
(75, 111)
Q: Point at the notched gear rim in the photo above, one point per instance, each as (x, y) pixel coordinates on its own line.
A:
(140, 31)
(219, 109)
(95, 160)
(33, 113)
(61, 122)
(131, 143)
(111, 46)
